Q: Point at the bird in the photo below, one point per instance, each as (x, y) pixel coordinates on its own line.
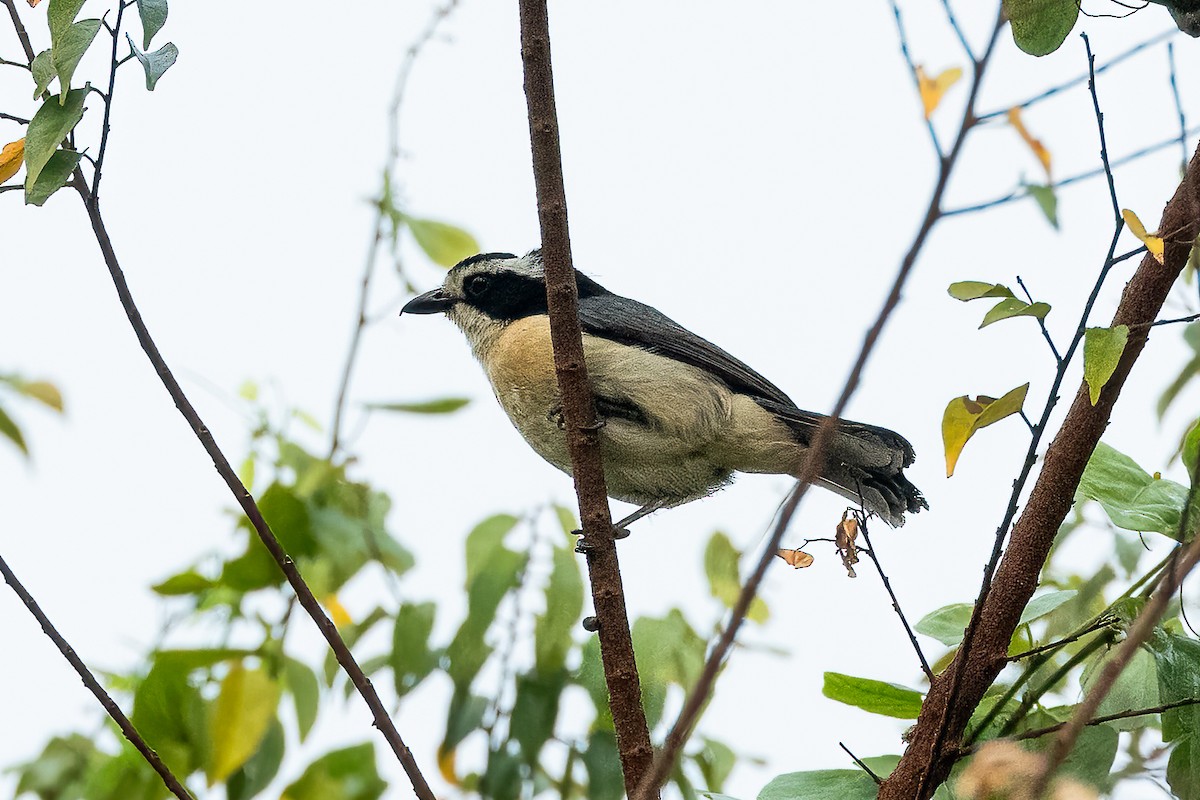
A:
(678, 415)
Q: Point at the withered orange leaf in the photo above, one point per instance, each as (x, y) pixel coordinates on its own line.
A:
(796, 558)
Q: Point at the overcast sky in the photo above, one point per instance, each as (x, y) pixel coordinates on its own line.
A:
(755, 175)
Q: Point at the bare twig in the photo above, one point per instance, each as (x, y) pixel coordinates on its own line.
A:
(912, 70)
(699, 693)
(19, 27)
(1062, 87)
(616, 646)
(958, 31)
(887, 584)
(393, 158)
(1042, 325)
(943, 718)
(12, 118)
(108, 101)
(89, 680)
(1037, 733)
(1183, 151)
(1104, 622)
(860, 764)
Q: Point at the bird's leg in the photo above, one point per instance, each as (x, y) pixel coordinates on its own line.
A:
(620, 531)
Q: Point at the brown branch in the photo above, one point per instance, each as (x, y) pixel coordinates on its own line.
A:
(1050, 500)
(246, 501)
(616, 645)
(89, 680)
(19, 27)
(1139, 632)
(696, 698)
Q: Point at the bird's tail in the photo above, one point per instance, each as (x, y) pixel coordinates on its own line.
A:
(866, 465)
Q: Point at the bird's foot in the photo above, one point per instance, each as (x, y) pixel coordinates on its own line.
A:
(584, 546)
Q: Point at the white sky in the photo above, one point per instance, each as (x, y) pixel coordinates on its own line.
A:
(756, 176)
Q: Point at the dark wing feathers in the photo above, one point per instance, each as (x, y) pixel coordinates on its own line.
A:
(620, 319)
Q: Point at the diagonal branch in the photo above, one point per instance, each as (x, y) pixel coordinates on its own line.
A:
(380, 720)
(975, 669)
(616, 645)
(89, 680)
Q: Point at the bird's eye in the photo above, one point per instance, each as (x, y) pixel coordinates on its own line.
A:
(477, 285)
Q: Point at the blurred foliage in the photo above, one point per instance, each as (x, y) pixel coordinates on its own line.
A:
(226, 716)
(42, 392)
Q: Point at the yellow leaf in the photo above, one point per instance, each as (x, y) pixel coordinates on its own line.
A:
(337, 611)
(932, 89)
(1153, 241)
(796, 558)
(241, 715)
(44, 392)
(1039, 150)
(445, 761)
(10, 159)
(964, 416)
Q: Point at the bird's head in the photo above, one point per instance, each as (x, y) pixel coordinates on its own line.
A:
(484, 293)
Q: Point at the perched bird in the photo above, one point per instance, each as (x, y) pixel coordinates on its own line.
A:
(679, 414)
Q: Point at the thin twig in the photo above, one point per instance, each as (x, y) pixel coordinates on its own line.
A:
(1103, 622)
(912, 70)
(958, 31)
(393, 157)
(1183, 152)
(925, 763)
(700, 692)
(246, 500)
(19, 27)
(89, 680)
(108, 100)
(616, 646)
(1037, 733)
(1139, 633)
(1041, 324)
(859, 762)
(1116, 163)
(956, 674)
(4, 62)
(887, 584)
(13, 118)
(1062, 87)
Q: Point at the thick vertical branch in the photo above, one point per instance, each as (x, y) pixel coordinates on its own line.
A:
(934, 739)
(579, 414)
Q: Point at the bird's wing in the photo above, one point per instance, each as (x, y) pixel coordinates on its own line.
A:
(620, 319)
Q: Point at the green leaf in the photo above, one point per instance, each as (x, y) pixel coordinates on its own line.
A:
(1042, 605)
(411, 659)
(1183, 769)
(1102, 348)
(302, 684)
(564, 604)
(502, 778)
(60, 14)
(58, 772)
(70, 46)
(964, 416)
(724, 580)
(43, 71)
(446, 245)
(53, 177)
(1178, 661)
(877, 697)
(485, 541)
(49, 126)
(154, 16)
(1039, 27)
(1046, 199)
(346, 774)
(973, 290)
(190, 582)
(1190, 454)
(156, 63)
(947, 624)
(603, 767)
(442, 405)
(535, 711)
(10, 431)
(1136, 687)
(1131, 497)
(464, 717)
(1012, 307)
(826, 784)
(1091, 758)
(257, 773)
(171, 715)
(243, 711)
(716, 760)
